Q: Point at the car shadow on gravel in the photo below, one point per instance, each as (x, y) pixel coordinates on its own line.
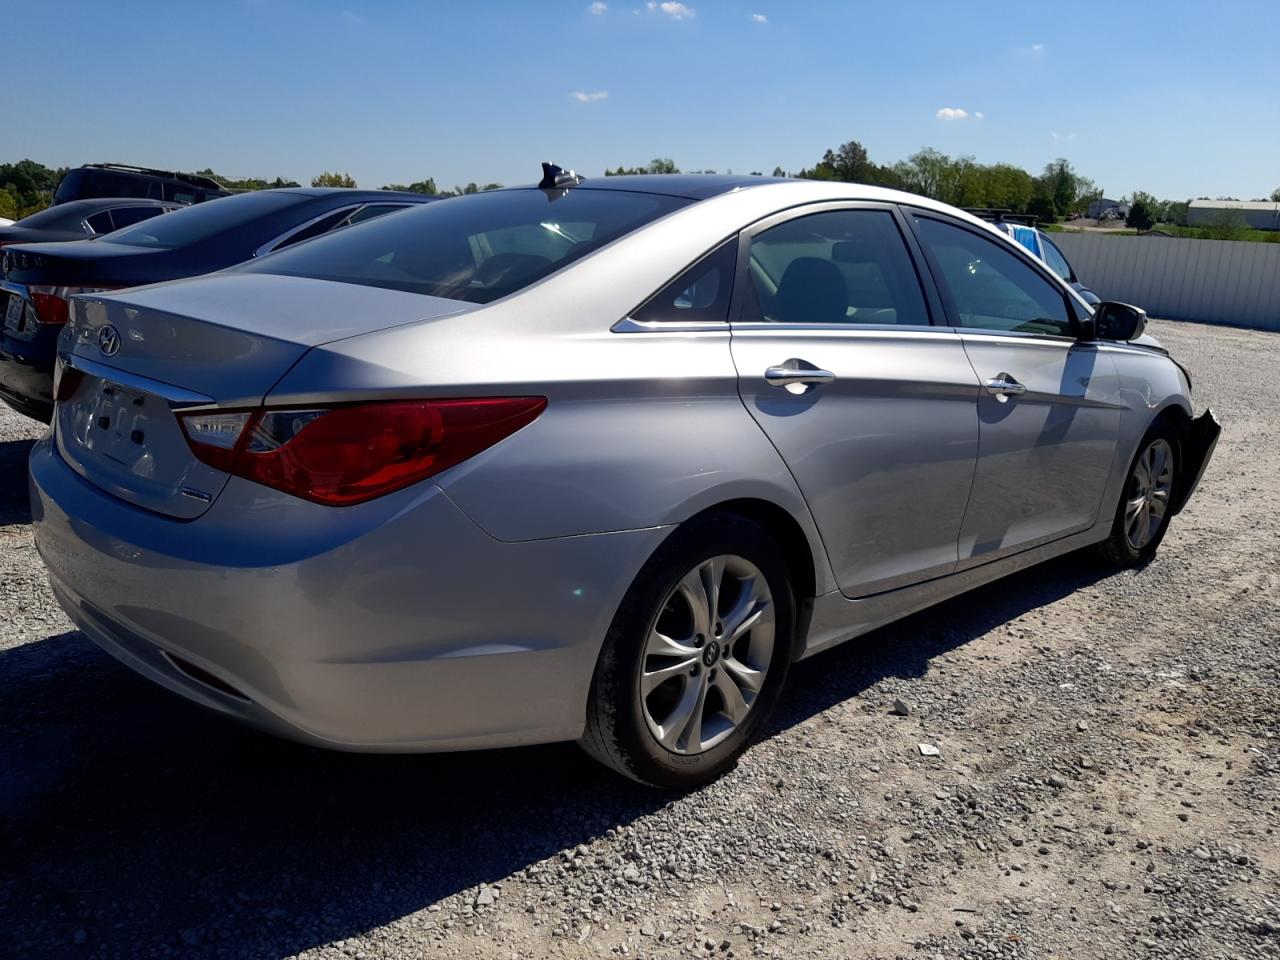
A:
(135, 824)
(14, 504)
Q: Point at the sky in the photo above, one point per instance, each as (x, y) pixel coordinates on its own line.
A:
(1177, 98)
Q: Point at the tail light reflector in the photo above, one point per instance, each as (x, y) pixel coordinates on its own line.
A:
(50, 303)
(349, 454)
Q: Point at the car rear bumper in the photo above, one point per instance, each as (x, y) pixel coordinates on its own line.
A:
(401, 627)
(1198, 444)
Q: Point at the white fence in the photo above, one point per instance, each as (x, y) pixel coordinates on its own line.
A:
(1213, 281)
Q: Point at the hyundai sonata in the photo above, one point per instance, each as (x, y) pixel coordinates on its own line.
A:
(588, 461)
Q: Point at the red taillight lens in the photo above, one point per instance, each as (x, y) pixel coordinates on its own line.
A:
(345, 455)
(50, 303)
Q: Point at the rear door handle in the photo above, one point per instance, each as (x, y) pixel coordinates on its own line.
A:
(796, 372)
(1002, 386)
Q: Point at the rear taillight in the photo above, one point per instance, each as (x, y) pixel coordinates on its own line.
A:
(50, 303)
(349, 454)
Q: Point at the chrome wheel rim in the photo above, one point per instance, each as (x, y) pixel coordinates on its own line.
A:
(707, 654)
(1150, 487)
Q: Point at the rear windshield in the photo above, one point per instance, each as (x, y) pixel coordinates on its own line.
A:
(476, 248)
(193, 224)
(56, 218)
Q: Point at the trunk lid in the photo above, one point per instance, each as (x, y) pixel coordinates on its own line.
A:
(142, 356)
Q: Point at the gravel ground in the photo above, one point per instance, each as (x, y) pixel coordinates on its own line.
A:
(1108, 785)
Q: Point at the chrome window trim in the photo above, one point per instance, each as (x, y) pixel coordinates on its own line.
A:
(628, 325)
(911, 331)
(271, 245)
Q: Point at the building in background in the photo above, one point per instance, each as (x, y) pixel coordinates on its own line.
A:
(1258, 215)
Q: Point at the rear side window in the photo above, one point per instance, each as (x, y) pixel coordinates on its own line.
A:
(699, 295)
(475, 248)
(100, 222)
(990, 286)
(122, 217)
(842, 266)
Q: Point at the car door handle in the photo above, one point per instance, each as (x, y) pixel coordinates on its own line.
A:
(1002, 387)
(797, 372)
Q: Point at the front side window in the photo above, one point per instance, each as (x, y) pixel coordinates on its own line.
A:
(991, 287)
(843, 266)
(372, 211)
(476, 248)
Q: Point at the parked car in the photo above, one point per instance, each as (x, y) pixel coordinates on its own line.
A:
(122, 180)
(37, 279)
(1024, 231)
(592, 460)
(80, 219)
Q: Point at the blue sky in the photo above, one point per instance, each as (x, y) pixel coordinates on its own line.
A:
(1177, 98)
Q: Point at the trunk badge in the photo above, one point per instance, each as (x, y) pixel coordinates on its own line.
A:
(109, 341)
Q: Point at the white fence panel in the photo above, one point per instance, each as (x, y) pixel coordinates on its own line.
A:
(1214, 281)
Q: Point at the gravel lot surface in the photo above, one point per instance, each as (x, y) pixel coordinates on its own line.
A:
(1108, 784)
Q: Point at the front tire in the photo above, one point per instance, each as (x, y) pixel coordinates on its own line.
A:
(1145, 508)
(696, 657)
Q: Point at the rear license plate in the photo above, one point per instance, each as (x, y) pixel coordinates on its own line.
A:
(120, 420)
(13, 312)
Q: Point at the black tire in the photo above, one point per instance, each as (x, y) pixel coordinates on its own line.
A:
(1117, 548)
(617, 733)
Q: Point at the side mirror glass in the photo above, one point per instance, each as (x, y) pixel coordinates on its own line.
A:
(1118, 321)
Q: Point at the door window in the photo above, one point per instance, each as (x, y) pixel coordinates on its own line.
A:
(992, 288)
(1057, 262)
(127, 216)
(100, 222)
(842, 266)
(372, 211)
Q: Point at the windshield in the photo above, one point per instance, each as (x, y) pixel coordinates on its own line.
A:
(193, 224)
(476, 248)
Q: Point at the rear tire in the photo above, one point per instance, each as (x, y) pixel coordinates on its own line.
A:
(696, 657)
(1145, 508)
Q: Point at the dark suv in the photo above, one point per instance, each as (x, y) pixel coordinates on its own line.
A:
(121, 180)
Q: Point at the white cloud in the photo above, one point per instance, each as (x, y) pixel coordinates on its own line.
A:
(979, 115)
(676, 11)
(952, 113)
(598, 8)
(583, 96)
(759, 18)
(1037, 48)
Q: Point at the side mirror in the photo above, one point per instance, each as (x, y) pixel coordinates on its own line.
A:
(1118, 321)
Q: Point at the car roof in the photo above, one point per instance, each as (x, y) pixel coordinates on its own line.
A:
(353, 192)
(691, 186)
(94, 204)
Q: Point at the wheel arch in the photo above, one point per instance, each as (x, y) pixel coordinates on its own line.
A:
(800, 555)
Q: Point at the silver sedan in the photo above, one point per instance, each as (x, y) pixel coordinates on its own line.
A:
(588, 461)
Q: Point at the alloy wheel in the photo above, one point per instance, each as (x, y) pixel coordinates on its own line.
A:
(707, 654)
(1150, 489)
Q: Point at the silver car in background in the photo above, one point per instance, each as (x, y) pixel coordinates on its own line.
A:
(588, 461)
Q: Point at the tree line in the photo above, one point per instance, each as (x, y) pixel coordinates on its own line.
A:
(1058, 191)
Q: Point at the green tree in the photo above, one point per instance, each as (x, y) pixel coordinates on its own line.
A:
(1061, 184)
(8, 205)
(1043, 209)
(657, 165)
(427, 186)
(779, 172)
(1275, 195)
(328, 179)
(30, 184)
(1177, 210)
(1139, 217)
(1226, 225)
